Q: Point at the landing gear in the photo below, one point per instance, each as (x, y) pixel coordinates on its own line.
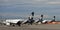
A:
(19, 23)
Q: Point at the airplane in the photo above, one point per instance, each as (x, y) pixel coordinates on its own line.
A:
(18, 22)
(13, 22)
(42, 22)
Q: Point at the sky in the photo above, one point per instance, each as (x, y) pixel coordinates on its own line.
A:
(23, 8)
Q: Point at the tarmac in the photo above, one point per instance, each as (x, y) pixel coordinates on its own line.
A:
(32, 27)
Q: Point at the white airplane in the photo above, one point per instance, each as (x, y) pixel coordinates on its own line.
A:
(15, 21)
(12, 21)
(44, 21)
